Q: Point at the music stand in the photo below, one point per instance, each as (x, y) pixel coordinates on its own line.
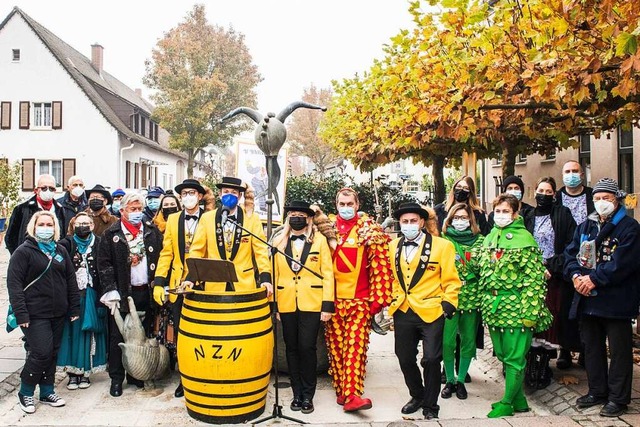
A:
(209, 270)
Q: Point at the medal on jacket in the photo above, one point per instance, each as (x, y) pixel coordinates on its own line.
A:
(295, 266)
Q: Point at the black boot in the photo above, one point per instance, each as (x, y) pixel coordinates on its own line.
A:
(545, 374)
(531, 370)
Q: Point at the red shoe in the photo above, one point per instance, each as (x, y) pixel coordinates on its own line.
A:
(356, 403)
(340, 400)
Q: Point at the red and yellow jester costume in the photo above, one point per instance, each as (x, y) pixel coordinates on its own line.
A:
(363, 287)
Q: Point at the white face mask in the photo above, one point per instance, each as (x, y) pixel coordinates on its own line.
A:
(190, 202)
(515, 193)
(460, 224)
(410, 231)
(502, 219)
(604, 207)
(46, 196)
(77, 191)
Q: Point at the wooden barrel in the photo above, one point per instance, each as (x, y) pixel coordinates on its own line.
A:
(225, 352)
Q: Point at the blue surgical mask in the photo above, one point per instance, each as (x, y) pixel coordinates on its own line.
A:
(229, 200)
(44, 234)
(410, 231)
(347, 212)
(515, 193)
(135, 218)
(571, 180)
(153, 204)
(115, 206)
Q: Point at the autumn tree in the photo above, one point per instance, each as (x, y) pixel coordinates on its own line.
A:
(200, 72)
(302, 131)
(510, 77)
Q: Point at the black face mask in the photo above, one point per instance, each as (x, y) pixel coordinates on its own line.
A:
(96, 204)
(544, 200)
(297, 222)
(461, 195)
(82, 231)
(168, 211)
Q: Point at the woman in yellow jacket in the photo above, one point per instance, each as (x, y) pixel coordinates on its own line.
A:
(303, 300)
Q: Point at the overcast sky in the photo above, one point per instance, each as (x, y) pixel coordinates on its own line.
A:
(293, 43)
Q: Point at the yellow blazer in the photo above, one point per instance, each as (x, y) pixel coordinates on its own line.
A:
(302, 290)
(208, 242)
(430, 278)
(172, 267)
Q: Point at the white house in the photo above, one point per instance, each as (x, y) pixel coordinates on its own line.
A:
(62, 113)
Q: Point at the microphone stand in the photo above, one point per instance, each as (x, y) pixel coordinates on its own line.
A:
(277, 408)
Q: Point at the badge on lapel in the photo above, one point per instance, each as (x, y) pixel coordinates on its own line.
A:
(424, 258)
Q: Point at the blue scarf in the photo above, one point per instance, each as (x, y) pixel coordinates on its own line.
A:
(83, 244)
(48, 247)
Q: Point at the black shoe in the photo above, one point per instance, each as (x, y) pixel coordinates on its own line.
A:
(467, 378)
(296, 404)
(429, 414)
(135, 382)
(448, 390)
(307, 406)
(116, 388)
(376, 328)
(461, 391)
(581, 360)
(613, 409)
(443, 377)
(564, 360)
(179, 390)
(412, 406)
(587, 401)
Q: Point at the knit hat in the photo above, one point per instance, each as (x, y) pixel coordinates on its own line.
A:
(155, 192)
(608, 185)
(512, 179)
(118, 192)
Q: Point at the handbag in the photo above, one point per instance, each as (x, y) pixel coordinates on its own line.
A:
(12, 322)
(91, 321)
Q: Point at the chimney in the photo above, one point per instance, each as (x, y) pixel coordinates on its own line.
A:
(97, 57)
(139, 92)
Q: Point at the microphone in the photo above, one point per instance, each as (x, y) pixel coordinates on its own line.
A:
(225, 214)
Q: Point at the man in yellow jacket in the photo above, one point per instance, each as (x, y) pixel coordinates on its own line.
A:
(304, 300)
(176, 249)
(425, 291)
(215, 240)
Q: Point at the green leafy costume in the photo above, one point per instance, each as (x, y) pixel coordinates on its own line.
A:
(513, 290)
(465, 321)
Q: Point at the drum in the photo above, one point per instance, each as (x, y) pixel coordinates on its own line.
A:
(225, 352)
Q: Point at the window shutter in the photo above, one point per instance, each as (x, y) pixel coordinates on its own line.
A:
(28, 174)
(5, 115)
(56, 115)
(155, 171)
(127, 174)
(24, 114)
(68, 170)
(145, 175)
(136, 171)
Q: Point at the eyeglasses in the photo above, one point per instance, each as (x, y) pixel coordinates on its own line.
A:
(458, 217)
(188, 193)
(460, 187)
(45, 188)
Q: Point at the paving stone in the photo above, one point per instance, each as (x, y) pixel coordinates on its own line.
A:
(555, 401)
(554, 386)
(555, 421)
(480, 422)
(631, 419)
(561, 407)
(547, 398)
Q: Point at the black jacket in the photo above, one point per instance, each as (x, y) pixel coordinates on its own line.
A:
(481, 218)
(70, 209)
(114, 265)
(17, 228)
(55, 294)
(564, 227)
(616, 275)
(587, 191)
(92, 259)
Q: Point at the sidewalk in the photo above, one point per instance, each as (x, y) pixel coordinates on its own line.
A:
(554, 406)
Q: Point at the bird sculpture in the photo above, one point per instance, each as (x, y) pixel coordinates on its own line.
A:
(143, 358)
(270, 135)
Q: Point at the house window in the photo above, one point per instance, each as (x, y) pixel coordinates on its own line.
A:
(41, 115)
(496, 162)
(413, 186)
(522, 158)
(15, 54)
(155, 132)
(51, 167)
(625, 159)
(550, 156)
(134, 122)
(584, 155)
(164, 180)
(143, 126)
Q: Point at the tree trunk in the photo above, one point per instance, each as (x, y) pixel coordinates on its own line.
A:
(509, 154)
(191, 157)
(439, 191)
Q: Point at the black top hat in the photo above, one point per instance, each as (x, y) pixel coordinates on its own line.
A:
(99, 189)
(298, 206)
(411, 208)
(190, 183)
(231, 182)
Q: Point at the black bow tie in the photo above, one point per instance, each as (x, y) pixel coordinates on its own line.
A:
(300, 237)
(410, 244)
(188, 217)
(232, 217)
